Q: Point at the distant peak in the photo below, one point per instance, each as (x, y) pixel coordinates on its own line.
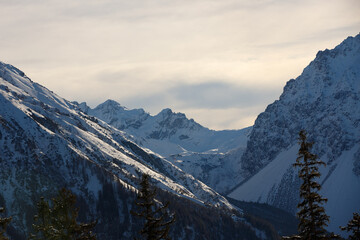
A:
(110, 104)
(166, 111)
(83, 106)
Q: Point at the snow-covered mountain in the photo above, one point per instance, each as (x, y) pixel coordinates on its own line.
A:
(48, 142)
(53, 127)
(195, 149)
(166, 133)
(325, 101)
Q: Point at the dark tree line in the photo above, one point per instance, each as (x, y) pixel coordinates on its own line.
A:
(56, 220)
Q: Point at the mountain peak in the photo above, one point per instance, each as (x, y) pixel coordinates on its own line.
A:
(110, 104)
(168, 113)
(350, 44)
(165, 111)
(332, 71)
(322, 93)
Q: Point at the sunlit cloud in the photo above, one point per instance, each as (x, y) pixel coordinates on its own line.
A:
(218, 61)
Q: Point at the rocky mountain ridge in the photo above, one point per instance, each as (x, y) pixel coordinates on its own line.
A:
(166, 133)
(195, 149)
(324, 101)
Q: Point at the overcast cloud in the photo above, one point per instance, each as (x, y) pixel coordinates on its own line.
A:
(219, 62)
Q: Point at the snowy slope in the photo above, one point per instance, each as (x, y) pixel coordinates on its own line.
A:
(47, 142)
(325, 101)
(218, 170)
(275, 185)
(281, 172)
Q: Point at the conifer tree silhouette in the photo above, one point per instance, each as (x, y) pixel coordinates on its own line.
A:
(311, 214)
(157, 221)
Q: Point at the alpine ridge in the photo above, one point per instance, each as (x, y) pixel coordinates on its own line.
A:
(324, 101)
(195, 149)
(166, 133)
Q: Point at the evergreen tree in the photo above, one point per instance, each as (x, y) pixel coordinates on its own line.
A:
(312, 216)
(157, 222)
(3, 224)
(57, 221)
(354, 227)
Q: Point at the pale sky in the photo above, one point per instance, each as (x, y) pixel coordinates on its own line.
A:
(219, 62)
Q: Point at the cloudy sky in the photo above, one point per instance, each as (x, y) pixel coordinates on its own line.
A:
(220, 62)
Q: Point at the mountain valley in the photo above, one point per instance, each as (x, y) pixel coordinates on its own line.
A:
(213, 178)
